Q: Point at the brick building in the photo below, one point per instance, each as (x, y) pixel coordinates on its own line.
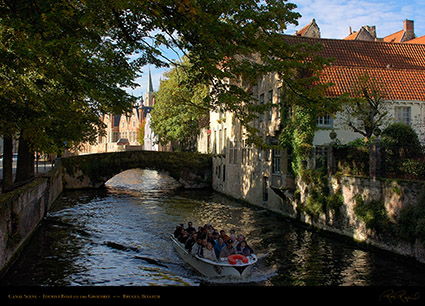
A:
(250, 173)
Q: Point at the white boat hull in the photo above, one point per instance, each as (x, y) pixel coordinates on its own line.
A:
(215, 269)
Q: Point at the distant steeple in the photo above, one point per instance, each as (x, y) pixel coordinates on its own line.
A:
(150, 86)
(149, 99)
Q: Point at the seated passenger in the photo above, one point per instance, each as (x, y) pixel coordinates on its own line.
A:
(228, 249)
(190, 242)
(243, 249)
(208, 252)
(210, 238)
(196, 247)
(183, 237)
(233, 235)
(239, 238)
(178, 231)
(202, 248)
(218, 246)
(224, 236)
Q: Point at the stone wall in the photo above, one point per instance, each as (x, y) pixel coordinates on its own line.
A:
(395, 194)
(22, 210)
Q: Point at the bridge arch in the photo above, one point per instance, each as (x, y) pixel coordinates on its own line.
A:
(192, 170)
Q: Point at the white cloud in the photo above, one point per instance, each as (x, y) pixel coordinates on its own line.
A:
(334, 17)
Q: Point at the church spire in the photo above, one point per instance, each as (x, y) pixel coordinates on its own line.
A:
(150, 86)
(149, 99)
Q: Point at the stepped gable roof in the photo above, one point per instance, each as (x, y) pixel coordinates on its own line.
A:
(398, 68)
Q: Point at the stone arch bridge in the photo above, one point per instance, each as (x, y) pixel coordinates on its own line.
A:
(192, 170)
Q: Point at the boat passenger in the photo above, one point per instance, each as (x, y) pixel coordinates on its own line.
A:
(196, 246)
(190, 242)
(224, 236)
(243, 249)
(183, 237)
(228, 249)
(190, 228)
(215, 235)
(218, 246)
(202, 248)
(210, 239)
(233, 235)
(239, 238)
(178, 231)
(208, 252)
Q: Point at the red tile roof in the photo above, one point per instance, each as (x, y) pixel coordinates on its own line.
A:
(395, 37)
(352, 36)
(399, 68)
(396, 84)
(418, 40)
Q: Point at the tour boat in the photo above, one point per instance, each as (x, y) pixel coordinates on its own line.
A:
(237, 265)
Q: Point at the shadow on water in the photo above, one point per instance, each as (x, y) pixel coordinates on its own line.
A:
(119, 236)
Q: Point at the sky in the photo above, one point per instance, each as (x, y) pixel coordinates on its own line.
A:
(334, 17)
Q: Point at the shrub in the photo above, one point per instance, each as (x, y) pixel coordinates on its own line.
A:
(411, 222)
(373, 214)
(401, 141)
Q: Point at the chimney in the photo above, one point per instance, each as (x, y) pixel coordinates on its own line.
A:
(351, 31)
(409, 30)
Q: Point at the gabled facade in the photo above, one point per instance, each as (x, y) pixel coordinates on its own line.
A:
(367, 33)
(311, 30)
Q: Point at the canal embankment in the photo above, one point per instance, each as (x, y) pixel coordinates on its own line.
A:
(22, 210)
(377, 212)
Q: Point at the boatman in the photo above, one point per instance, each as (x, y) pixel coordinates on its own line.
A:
(228, 249)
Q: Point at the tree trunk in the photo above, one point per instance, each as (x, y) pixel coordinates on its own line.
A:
(7, 163)
(25, 167)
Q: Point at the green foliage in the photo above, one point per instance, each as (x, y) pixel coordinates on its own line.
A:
(319, 197)
(411, 222)
(352, 159)
(297, 135)
(403, 152)
(62, 65)
(180, 108)
(401, 141)
(372, 213)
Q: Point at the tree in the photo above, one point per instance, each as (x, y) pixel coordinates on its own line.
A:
(365, 112)
(63, 63)
(180, 108)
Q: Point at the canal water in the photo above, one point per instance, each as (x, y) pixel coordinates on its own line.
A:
(119, 236)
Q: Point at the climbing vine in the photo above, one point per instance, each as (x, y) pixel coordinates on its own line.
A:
(299, 127)
(297, 135)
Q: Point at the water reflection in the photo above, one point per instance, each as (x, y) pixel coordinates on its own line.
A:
(120, 236)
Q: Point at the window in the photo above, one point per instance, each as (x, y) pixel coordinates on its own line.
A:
(402, 114)
(279, 100)
(276, 161)
(270, 101)
(325, 121)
